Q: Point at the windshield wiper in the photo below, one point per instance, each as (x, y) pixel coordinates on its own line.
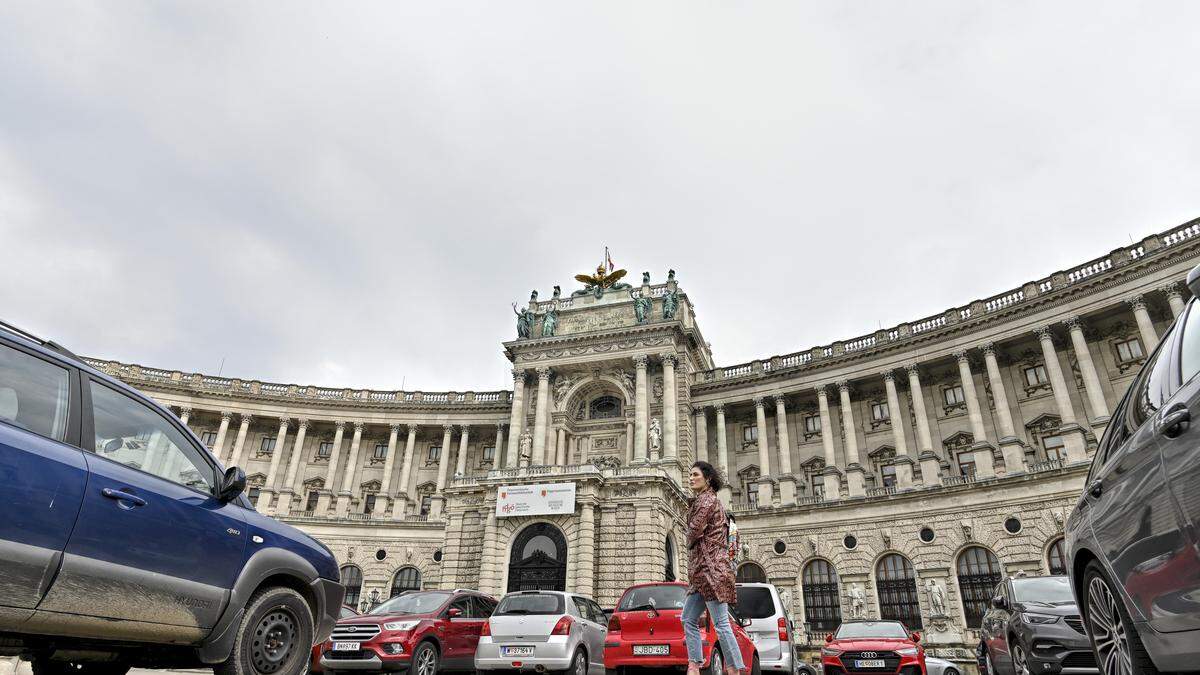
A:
(514, 611)
(639, 608)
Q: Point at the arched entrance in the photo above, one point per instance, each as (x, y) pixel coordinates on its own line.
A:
(538, 561)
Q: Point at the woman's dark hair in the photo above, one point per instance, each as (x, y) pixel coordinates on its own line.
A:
(710, 474)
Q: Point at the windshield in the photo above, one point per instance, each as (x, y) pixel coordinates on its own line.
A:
(530, 603)
(871, 629)
(658, 597)
(1043, 591)
(424, 602)
(755, 602)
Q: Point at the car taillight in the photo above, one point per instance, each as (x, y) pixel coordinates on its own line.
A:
(563, 627)
(486, 631)
(614, 624)
(783, 632)
(703, 621)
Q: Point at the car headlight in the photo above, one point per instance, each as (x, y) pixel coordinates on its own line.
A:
(400, 625)
(907, 651)
(830, 651)
(1038, 619)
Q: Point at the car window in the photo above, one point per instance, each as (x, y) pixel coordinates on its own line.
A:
(483, 607)
(1151, 387)
(1189, 352)
(598, 613)
(132, 433)
(346, 613)
(33, 393)
(659, 597)
(755, 602)
(1114, 435)
(581, 608)
(464, 604)
(531, 603)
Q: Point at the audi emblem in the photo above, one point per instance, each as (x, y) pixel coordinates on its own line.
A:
(869, 655)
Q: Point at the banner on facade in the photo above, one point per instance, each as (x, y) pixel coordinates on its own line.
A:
(545, 499)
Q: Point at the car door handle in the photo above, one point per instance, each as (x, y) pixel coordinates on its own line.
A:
(121, 495)
(1175, 421)
(1096, 488)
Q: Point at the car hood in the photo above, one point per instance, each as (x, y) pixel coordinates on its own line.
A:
(1068, 609)
(870, 644)
(281, 535)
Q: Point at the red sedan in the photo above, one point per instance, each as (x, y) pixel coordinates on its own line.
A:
(646, 631)
(874, 648)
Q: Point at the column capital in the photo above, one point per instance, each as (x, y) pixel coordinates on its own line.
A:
(302, 423)
(889, 375)
(780, 400)
(464, 429)
(988, 348)
(962, 357)
(226, 415)
(700, 410)
(245, 418)
(822, 390)
(1136, 302)
(913, 370)
(758, 402)
(358, 427)
(543, 374)
(843, 387)
(518, 374)
(500, 425)
(339, 425)
(1073, 322)
(1044, 333)
(285, 422)
(641, 361)
(185, 411)
(394, 428)
(720, 408)
(1172, 289)
(447, 428)
(669, 358)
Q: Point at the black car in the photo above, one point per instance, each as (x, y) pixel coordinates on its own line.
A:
(1132, 538)
(1034, 626)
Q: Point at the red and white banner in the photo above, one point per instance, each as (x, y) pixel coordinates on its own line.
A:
(543, 499)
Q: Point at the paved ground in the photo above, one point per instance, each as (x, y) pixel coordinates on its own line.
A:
(7, 665)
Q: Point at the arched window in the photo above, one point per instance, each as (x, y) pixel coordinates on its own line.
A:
(896, 582)
(669, 572)
(406, 579)
(352, 580)
(604, 407)
(751, 573)
(978, 575)
(822, 604)
(1057, 558)
(538, 560)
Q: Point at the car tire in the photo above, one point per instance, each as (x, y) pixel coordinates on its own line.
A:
(716, 662)
(1109, 623)
(579, 664)
(755, 666)
(1017, 651)
(47, 667)
(425, 660)
(950, 671)
(275, 636)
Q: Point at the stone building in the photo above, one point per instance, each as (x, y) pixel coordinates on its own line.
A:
(899, 474)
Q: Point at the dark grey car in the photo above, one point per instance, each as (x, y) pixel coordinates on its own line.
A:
(1132, 538)
(1033, 626)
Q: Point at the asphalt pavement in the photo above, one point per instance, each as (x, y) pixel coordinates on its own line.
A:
(7, 666)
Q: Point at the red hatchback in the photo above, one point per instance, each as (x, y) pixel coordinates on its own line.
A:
(873, 648)
(646, 631)
(422, 632)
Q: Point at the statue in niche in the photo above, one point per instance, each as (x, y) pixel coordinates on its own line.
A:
(641, 307)
(561, 385)
(655, 435)
(550, 321)
(858, 601)
(670, 304)
(525, 318)
(937, 597)
(525, 448)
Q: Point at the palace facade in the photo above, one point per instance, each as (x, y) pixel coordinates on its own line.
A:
(897, 474)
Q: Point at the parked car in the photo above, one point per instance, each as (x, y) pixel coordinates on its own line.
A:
(125, 543)
(544, 630)
(1132, 538)
(422, 632)
(769, 626)
(873, 647)
(1033, 626)
(345, 613)
(646, 631)
(936, 666)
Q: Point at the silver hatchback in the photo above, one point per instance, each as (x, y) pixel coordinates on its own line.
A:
(544, 630)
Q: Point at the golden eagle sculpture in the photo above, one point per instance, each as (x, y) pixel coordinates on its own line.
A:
(600, 279)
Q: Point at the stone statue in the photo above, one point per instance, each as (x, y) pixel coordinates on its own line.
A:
(641, 307)
(533, 296)
(670, 276)
(525, 319)
(670, 304)
(785, 596)
(525, 447)
(655, 435)
(561, 385)
(550, 321)
(937, 597)
(645, 278)
(557, 292)
(858, 602)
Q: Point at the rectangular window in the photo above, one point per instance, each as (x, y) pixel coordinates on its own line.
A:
(889, 475)
(953, 395)
(752, 496)
(426, 504)
(1054, 446)
(313, 497)
(879, 412)
(489, 454)
(435, 453)
(369, 504)
(1036, 375)
(33, 394)
(812, 424)
(209, 438)
(253, 494)
(1129, 350)
(325, 449)
(267, 446)
(966, 463)
(750, 433)
(381, 451)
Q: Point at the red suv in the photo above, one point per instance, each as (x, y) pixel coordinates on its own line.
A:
(422, 632)
(874, 648)
(646, 631)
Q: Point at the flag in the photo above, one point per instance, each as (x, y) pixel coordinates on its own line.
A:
(608, 260)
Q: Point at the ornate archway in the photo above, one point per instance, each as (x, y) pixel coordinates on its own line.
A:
(538, 560)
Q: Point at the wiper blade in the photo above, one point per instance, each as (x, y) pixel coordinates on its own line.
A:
(639, 608)
(514, 611)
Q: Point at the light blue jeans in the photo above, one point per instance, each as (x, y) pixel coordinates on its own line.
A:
(718, 613)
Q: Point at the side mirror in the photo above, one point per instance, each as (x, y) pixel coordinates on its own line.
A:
(113, 445)
(453, 613)
(1193, 281)
(916, 637)
(829, 637)
(743, 622)
(232, 484)
(999, 602)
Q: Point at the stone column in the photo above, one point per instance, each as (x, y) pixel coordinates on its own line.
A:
(701, 430)
(561, 456)
(335, 457)
(1071, 432)
(1145, 325)
(903, 461)
(1174, 298)
(439, 498)
(499, 445)
(723, 455)
(346, 493)
(268, 491)
(516, 420)
(641, 411)
(460, 465)
(670, 409)
(184, 415)
(218, 448)
(855, 474)
(931, 464)
(984, 459)
(629, 442)
(1010, 446)
(1091, 381)
(401, 508)
(585, 555)
(283, 505)
(491, 558)
(541, 417)
(831, 476)
(389, 463)
(787, 481)
(765, 486)
(239, 443)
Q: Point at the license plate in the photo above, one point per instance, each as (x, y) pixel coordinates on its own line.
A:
(870, 663)
(517, 651)
(651, 650)
(346, 646)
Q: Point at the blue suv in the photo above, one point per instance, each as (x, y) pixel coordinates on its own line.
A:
(124, 543)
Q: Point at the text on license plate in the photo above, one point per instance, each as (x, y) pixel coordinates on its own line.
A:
(346, 646)
(872, 663)
(517, 651)
(651, 650)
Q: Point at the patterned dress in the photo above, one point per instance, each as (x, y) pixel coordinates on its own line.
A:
(709, 572)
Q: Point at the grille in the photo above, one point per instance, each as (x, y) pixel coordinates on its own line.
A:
(891, 660)
(360, 632)
(1079, 660)
(1075, 622)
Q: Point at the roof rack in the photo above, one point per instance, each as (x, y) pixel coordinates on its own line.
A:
(48, 344)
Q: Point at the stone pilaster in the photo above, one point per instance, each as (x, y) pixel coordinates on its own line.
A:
(764, 455)
(541, 417)
(400, 508)
(1091, 380)
(268, 492)
(903, 461)
(1011, 446)
(284, 504)
(723, 455)
(346, 493)
(1145, 324)
(855, 473)
(239, 443)
(641, 419)
(700, 427)
(985, 466)
(670, 409)
(1071, 432)
(335, 457)
(218, 448)
(516, 420)
(438, 503)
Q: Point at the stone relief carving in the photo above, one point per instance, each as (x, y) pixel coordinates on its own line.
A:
(606, 462)
(937, 597)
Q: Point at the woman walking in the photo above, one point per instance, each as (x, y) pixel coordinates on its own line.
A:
(710, 574)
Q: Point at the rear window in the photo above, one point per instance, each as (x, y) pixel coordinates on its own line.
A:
(657, 597)
(531, 603)
(755, 602)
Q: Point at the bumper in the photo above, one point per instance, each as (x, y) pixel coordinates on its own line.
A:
(554, 654)
(329, 595)
(783, 664)
(367, 661)
(1058, 648)
(909, 665)
(620, 655)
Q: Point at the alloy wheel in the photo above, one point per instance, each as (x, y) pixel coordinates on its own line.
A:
(1019, 665)
(426, 664)
(274, 641)
(580, 664)
(1107, 629)
(718, 664)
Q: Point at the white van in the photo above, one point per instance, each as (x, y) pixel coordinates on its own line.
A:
(769, 628)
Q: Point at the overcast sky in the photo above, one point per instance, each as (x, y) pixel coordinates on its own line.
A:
(353, 194)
